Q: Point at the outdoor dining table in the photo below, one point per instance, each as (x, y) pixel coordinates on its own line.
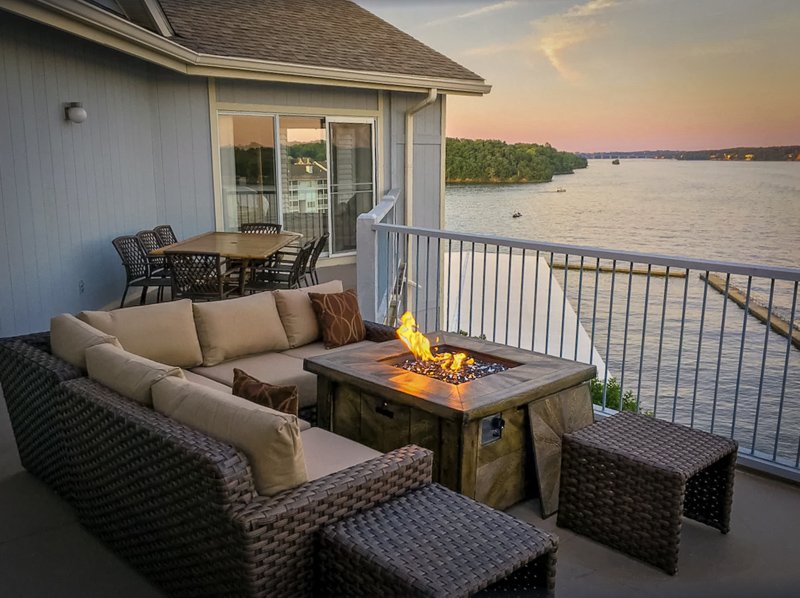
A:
(245, 247)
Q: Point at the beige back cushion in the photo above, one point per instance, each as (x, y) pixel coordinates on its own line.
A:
(163, 332)
(130, 375)
(270, 439)
(237, 327)
(69, 339)
(297, 315)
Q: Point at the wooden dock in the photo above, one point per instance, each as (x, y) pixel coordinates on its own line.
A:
(735, 294)
(620, 269)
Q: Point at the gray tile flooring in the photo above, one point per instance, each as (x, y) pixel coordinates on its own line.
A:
(45, 552)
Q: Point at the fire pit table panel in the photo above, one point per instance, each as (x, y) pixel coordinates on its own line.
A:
(479, 430)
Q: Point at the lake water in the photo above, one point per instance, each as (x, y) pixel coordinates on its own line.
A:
(747, 212)
(731, 211)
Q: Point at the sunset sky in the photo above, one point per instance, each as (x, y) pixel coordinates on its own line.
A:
(596, 75)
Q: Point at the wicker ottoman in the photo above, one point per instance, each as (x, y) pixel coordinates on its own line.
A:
(434, 542)
(627, 480)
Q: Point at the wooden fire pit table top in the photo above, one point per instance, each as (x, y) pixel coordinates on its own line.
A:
(372, 370)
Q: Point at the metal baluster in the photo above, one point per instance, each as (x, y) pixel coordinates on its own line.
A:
(767, 328)
(449, 270)
(549, 298)
(644, 333)
(785, 372)
(719, 352)
(483, 291)
(625, 334)
(699, 349)
(680, 344)
(428, 286)
(521, 300)
(471, 286)
(661, 340)
(578, 315)
(496, 283)
(460, 283)
(741, 354)
(508, 292)
(594, 310)
(608, 334)
(535, 301)
(389, 283)
(563, 305)
(416, 277)
(438, 280)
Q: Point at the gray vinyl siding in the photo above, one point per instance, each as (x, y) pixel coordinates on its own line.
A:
(427, 155)
(306, 96)
(142, 158)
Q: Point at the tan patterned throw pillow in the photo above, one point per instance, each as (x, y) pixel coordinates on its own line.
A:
(279, 398)
(339, 318)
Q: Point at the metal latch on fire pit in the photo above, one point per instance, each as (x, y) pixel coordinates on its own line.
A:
(492, 428)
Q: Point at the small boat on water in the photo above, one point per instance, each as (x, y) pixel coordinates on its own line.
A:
(516, 215)
(615, 161)
(561, 190)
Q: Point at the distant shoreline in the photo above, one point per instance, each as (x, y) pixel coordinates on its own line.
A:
(778, 153)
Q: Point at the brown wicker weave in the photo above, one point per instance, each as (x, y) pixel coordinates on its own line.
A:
(627, 480)
(434, 542)
(379, 333)
(181, 507)
(30, 375)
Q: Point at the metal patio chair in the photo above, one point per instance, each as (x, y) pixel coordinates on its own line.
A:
(201, 276)
(282, 274)
(137, 265)
(165, 234)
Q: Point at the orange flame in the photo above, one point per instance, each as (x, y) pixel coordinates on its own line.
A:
(420, 346)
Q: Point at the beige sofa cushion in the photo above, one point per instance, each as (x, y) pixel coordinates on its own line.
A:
(318, 348)
(163, 332)
(275, 368)
(327, 453)
(236, 327)
(297, 315)
(270, 439)
(130, 375)
(209, 383)
(70, 337)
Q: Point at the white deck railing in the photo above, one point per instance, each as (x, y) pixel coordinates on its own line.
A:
(678, 347)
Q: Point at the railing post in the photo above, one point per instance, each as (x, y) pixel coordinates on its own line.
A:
(367, 265)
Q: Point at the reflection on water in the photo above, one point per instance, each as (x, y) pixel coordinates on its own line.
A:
(739, 212)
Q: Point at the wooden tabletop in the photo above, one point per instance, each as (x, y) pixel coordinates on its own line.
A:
(242, 246)
(370, 368)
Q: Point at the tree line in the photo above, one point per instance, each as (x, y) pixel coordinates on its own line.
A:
(494, 161)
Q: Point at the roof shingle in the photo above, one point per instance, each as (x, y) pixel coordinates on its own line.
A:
(325, 33)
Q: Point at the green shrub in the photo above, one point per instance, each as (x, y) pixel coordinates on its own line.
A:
(613, 392)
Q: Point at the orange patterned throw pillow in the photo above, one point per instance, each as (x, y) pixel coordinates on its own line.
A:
(279, 398)
(339, 318)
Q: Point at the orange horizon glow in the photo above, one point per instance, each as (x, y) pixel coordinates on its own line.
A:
(625, 75)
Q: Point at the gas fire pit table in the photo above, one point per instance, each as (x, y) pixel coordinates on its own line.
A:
(483, 432)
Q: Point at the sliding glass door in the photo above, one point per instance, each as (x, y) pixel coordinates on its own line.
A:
(304, 175)
(352, 179)
(319, 180)
(247, 165)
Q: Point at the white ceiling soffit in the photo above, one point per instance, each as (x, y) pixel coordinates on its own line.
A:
(101, 26)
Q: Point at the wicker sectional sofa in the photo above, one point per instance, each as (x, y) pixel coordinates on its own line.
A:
(179, 505)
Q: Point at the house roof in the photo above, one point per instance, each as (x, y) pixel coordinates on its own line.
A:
(329, 33)
(324, 42)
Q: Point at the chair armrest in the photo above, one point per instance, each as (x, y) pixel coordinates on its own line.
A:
(282, 529)
(379, 333)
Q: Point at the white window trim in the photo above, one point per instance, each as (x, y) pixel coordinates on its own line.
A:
(331, 115)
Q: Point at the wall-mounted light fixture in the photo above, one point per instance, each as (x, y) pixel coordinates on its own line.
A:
(74, 112)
